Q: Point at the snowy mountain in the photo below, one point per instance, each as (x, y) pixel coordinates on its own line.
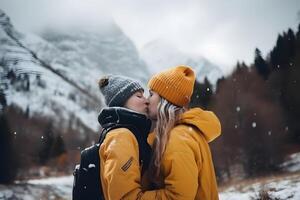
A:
(55, 73)
(160, 54)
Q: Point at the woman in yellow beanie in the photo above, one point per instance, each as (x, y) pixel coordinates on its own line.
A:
(182, 157)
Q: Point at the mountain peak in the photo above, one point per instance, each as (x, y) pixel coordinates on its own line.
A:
(160, 54)
(6, 25)
(4, 20)
(3, 16)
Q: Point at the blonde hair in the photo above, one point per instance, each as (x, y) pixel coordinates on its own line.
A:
(167, 117)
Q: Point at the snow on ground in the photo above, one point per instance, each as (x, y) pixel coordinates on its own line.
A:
(287, 187)
(293, 163)
(42, 189)
(62, 184)
(280, 187)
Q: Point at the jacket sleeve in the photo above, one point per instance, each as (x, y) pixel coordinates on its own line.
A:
(180, 171)
(120, 170)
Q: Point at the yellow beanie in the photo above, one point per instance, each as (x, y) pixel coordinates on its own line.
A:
(175, 85)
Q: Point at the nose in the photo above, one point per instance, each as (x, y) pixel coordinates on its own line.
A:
(146, 101)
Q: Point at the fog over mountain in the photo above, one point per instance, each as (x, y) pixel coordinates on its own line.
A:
(56, 72)
(160, 54)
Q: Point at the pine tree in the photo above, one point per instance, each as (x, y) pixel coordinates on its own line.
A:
(2, 101)
(202, 94)
(298, 33)
(58, 147)
(8, 166)
(291, 43)
(261, 65)
(47, 140)
(277, 54)
(284, 50)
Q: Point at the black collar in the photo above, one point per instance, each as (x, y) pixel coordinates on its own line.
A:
(112, 116)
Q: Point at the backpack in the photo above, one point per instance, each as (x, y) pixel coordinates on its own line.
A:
(86, 183)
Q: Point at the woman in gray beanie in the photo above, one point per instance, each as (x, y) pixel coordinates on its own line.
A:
(124, 153)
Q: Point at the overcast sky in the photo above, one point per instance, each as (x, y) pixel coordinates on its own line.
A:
(223, 31)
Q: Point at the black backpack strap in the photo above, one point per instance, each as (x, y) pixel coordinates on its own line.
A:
(102, 135)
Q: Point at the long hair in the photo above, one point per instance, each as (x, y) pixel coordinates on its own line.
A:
(167, 117)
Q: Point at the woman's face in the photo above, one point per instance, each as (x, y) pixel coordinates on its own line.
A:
(137, 102)
(154, 100)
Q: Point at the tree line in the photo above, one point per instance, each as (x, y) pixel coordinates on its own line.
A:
(259, 109)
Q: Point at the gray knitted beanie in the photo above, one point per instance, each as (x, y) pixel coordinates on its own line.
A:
(117, 89)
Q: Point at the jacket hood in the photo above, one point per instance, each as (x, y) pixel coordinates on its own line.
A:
(206, 121)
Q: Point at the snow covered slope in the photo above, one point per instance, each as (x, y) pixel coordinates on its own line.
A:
(56, 74)
(160, 54)
(277, 188)
(43, 189)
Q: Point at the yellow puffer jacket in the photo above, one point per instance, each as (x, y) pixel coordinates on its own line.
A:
(119, 165)
(187, 163)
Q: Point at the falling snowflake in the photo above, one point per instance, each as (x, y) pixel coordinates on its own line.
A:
(253, 124)
(235, 126)
(42, 137)
(207, 89)
(15, 133)
(238, 109)
(269, 132)
(278, 66)
(286, 128)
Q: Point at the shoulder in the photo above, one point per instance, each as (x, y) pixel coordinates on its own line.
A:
(182, 137)
(121, 136)
(182, 132)
(120, 132)
(119, 142)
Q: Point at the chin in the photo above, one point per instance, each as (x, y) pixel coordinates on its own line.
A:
(144, 112)
(153, 118)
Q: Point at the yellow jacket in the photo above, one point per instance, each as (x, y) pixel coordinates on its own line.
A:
(124, 153)
(119, 165)
(187, 163)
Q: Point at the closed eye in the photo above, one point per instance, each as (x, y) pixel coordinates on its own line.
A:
(150, 94)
